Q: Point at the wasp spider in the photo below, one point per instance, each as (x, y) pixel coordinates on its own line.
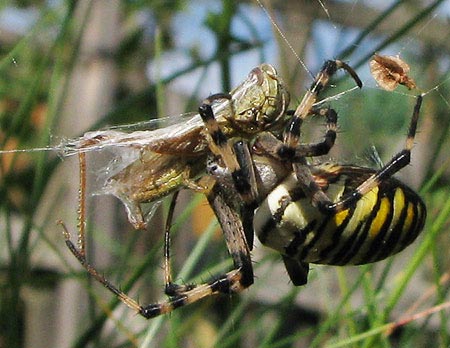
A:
(327, 214)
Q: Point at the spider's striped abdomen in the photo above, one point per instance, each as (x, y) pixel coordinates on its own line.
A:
(383, 222)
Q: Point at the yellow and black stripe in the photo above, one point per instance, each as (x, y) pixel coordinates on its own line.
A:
(381, 223)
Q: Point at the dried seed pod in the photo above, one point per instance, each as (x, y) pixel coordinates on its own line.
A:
(390, 71)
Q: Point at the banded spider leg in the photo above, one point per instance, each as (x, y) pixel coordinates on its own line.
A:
(290, 150)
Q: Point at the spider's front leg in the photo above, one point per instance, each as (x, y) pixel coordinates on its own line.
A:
(330, 67)
(238, 163)
(289, 150)
(399, 161)
(220, 146)
(267, 144)
(235, 219)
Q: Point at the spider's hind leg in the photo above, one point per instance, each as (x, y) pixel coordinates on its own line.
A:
(399, 161)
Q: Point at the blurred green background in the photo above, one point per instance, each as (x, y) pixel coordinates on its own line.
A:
(67, 67)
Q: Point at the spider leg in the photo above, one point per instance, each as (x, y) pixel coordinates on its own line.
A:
(321, 200)
(224, 178)
(292, 131)
(323, 147)
(220, 146)
(171, 288)
(290, 149)
(268, 144)
(232, 282)
(237, 160)
(297, 270)
(399, 161)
